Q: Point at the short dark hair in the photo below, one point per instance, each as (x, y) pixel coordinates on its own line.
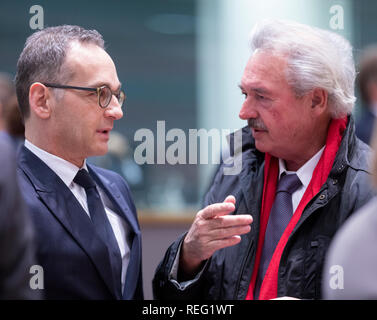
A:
(43, 56)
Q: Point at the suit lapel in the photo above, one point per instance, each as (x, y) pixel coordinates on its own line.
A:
(119, 199)
(114, 194)
(64, 206)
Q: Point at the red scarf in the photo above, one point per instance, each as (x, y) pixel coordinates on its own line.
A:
(270, 282)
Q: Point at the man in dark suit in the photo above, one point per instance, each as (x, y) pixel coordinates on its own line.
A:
(16, 232)
(89, 241)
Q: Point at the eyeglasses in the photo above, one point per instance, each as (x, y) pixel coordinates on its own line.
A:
(104, 93)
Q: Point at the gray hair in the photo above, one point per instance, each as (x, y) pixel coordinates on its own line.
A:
(43, 56)
(316, 58)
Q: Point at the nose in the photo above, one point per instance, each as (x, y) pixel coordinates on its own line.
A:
(114, 109)
(248, 110)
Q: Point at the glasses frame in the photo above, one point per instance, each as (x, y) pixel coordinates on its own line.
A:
(121, 96)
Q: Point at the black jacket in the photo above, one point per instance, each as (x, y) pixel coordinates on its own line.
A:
(228, 272)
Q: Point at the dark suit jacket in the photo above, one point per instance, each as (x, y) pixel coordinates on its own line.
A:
(74, 259)
(16, 232)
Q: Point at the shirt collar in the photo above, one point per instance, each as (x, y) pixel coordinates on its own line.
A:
(64, 169)
(305, 173)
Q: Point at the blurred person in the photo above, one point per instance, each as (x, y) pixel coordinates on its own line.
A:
(89, 241)
(304, 172)
(17, 249)
(367, 83)
(11, 124)
(351, 262)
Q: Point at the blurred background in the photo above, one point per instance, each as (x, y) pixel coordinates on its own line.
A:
(180, 61)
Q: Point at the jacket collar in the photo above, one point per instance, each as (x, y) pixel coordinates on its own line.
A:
(114, 194)
(60, 201)
(346, 155)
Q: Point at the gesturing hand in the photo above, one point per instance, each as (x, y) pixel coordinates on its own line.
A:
(212, 229)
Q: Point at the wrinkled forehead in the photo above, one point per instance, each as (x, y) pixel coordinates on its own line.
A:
(265, 65)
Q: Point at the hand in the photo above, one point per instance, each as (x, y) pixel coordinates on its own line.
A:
(212, 229)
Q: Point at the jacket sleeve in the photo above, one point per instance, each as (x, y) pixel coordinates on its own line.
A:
(164, 287)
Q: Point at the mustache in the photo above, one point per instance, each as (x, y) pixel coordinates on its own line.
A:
(257, 124)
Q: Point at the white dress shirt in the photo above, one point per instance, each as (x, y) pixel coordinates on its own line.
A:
(67, 171)
(305, 174)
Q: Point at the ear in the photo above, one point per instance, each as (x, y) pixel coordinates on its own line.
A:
(39, 100)
(319, 98)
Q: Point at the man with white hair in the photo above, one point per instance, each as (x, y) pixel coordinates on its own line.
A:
(304, 173)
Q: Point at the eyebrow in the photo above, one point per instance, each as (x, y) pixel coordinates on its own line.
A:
(256, 89)
(100, 84)
(241, 87)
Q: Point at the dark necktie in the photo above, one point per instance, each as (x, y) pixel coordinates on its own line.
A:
(101, 222)
(280, 215)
